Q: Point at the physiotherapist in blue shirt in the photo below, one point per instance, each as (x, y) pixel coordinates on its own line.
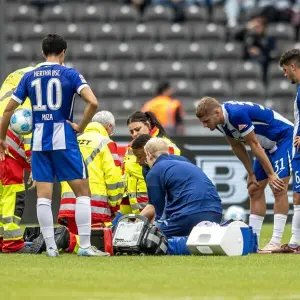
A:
(189, 197)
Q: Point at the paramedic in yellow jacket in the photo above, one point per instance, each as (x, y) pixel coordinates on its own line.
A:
(136, 197)
(105, 174)
(12, 188)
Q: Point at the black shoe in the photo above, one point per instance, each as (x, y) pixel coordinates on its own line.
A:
(62, 237)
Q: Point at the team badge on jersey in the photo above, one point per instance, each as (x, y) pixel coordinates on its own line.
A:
(243, 126)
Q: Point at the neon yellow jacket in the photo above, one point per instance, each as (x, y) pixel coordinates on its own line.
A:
(7, 89)
(105, 176)
(135, 184)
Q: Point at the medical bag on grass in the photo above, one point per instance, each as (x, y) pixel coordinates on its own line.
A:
(101, 238)
(134, 235)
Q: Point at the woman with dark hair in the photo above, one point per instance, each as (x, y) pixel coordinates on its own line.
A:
(140, 123)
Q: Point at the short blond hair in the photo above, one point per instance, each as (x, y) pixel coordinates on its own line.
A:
(206, 106)
(157, 146)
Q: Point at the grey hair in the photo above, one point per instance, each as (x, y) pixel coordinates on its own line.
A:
(105, 118)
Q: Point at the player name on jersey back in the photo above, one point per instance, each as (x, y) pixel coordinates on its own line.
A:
(46, 73)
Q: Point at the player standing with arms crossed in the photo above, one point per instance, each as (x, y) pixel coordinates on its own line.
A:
(55, 153)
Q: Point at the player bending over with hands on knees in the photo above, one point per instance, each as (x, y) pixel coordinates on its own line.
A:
(269, 136)
(290, 64)
(55, 153)
(179, 191)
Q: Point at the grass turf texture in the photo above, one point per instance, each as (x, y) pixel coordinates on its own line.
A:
(36, 277)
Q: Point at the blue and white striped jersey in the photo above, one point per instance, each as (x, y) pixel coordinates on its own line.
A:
(241, 118)
(51, 89)
(297, 117)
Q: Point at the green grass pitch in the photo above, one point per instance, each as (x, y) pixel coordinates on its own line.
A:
(69, 277)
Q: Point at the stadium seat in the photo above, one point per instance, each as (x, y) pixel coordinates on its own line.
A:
(123, 108)
(19, 51)
(104, 70)
(142, 90)
(175, 69)
(229, 51)
(138, 70)
(158, 14)
(124, 14)
(140, 33)
(11, 31)
(122, 51)
(57, 13)
(219, 15)
(246, 70)
(219, 89)
(210, 69)
(111, 90)
(35, 32)
(281, 89)
(87, 51)
(106, 33)
(73, 32)
(80, 106)
(189, 106)
(282, 32)
(192, 51)
(195, 15)
(175, 33)
(21, 13)
(249, 90)
(210, 32)
(93, 13)
(158, 51)
(275, 72)
(279, 105)
(186, 89)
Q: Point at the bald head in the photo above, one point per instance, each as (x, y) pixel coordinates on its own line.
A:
(154, 148)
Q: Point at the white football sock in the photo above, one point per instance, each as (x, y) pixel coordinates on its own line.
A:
(256, 222)
(278, 229)
(83, 220)
(45, 218)
(295, 239)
